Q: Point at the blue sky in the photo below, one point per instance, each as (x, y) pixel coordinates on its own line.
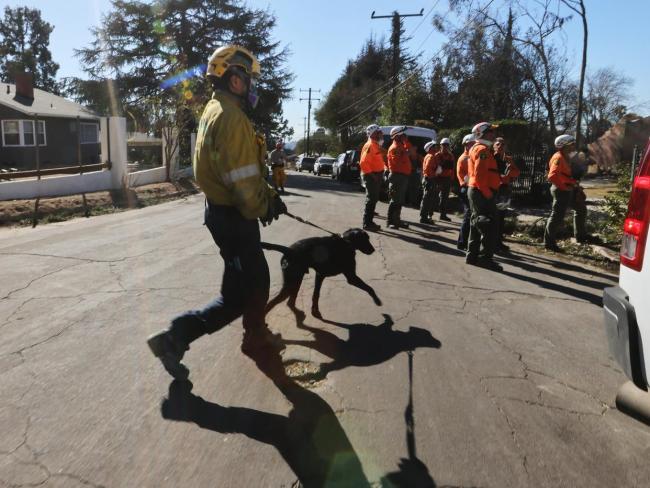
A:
(322, 36)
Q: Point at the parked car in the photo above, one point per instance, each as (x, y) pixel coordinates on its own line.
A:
(323, 165)
(626, 306)
(346, 166)
(305, 163)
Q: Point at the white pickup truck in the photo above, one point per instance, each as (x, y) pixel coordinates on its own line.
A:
(627, 306)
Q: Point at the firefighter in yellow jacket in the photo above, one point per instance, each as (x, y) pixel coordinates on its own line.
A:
(229, 168)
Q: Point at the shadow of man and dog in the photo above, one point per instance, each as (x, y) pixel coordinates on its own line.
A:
(310, 438)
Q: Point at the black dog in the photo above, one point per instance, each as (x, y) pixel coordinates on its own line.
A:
(328, 256)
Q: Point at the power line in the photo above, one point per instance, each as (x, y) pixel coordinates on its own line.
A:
(417, 70)
(391, 79)
(309, 99)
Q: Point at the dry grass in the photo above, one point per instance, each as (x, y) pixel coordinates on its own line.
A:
(58, 209)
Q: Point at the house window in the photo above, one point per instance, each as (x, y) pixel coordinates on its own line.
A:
(89, 133)
(21, 133)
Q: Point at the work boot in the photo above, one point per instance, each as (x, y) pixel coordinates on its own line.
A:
(445, 218)
(502, 249)
(471, 259)
(403, 224)
(461, 247)
(371, 226)
(552, 247)
(170, 352)
(425, 220)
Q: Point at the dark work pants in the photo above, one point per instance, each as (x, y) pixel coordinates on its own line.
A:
(482, 229)
(397, 191)
(428, 196)
(442, 188)
(463, 234)
(562, 200)
(372, 181)
(245, 283)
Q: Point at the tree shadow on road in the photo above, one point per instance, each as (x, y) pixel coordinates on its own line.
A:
(428, 242)
(310, 439)
(367, 344)
(412, 472)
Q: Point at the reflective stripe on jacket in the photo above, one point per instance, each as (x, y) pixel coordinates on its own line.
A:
(483, 170)
(229, 158)
(559, 172)
(372, 158)
(461, 168)
(398, 159)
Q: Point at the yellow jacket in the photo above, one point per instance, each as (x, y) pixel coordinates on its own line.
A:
(229, 158)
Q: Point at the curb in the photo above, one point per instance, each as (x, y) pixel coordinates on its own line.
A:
(634, 401)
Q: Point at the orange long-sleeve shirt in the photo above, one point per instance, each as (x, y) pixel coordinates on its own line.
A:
(461, 167)
(509, 170)
(372, 158)
(559, 172)
(398, 159)
(445, 160)
(429, 166)
(483, 170)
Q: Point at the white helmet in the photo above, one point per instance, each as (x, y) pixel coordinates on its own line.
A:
(445, 141)
(468, 138)
(372, 128)
(481, 128)
(564, 140)
(397, 130)
(429, 145)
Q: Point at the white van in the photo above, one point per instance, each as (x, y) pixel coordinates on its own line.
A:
(627, 306)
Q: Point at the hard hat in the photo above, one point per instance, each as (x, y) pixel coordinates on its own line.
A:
(372, 128)
(232, 56)
(429, 145)
(445, 140)
(481, 128)
(397, 130)
(564, 140)
(468, 138)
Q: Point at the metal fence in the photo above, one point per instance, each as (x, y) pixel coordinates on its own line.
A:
(531, 186)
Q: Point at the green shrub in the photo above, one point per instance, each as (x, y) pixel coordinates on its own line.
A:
(615, 207)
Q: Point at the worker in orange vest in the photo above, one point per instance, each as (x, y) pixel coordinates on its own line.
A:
(484, 182)
(509, 171)
(444, 176)
(566, 192)
(463, 180)
(372, 164)
(399, 166)
(428, 173)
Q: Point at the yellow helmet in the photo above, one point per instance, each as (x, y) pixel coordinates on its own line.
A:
(227, 56)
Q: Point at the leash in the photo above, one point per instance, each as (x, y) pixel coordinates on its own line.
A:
(303, 221)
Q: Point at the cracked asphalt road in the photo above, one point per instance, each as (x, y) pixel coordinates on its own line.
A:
(512, 382)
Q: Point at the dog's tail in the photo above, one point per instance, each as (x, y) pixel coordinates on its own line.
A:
(275, 247)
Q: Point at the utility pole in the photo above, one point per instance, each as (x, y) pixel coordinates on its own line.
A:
(309, 100)
(395, 42)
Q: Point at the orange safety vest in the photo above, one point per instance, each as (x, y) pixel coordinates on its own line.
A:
(559, 172)
(483, 170)
(461, 168)
(446, 161)
(372, 158)
(429, 166)
(398, 159)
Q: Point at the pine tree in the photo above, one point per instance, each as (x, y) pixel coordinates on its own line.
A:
(141, 45)
(24, 46)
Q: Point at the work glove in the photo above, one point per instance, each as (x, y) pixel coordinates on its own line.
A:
(276, 208)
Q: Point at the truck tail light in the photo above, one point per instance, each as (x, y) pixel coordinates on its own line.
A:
(635, 228)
